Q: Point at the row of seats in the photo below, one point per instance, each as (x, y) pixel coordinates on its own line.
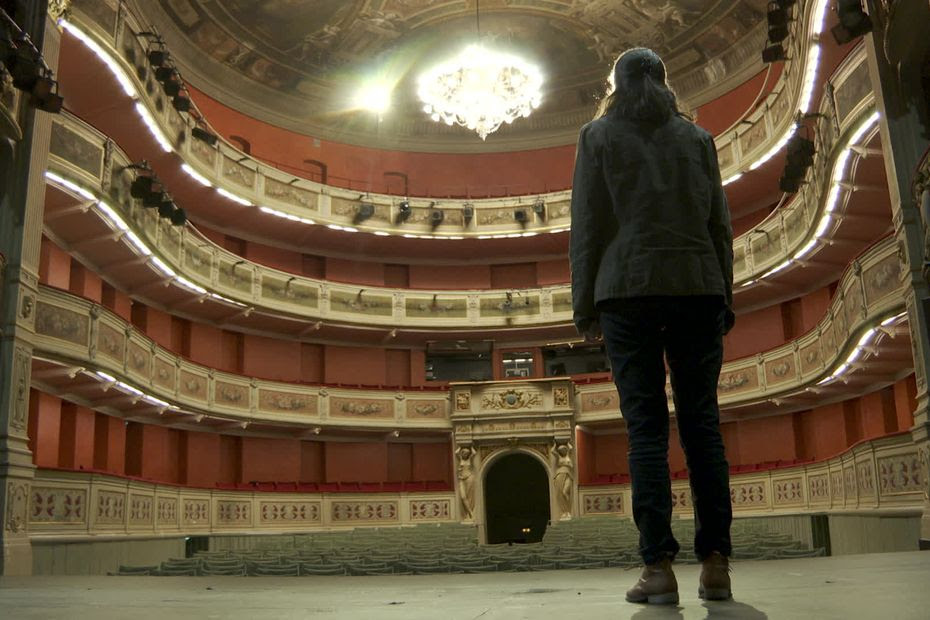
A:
(337, 487)
(598, 542)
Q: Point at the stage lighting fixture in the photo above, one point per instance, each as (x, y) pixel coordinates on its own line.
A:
(778, 23)
(364, 211)
(158, 58)
(166, 207)
(154, 199)
(25, 67)
(773, 53)
(141, 187)
(801, 151)
(468, 213)
(436, 216)
(45, 96)
(172, 88)
(403, 211)
(789, 185)
(539, 208)
(181, 103)
(164, 74)
(178, 217)
(204, 136)
(854, 22)
(520, 216)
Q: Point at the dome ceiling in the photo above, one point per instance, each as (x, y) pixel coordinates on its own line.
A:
(298, 64)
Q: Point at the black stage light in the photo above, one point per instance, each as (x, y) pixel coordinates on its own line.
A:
(203, 135)
(164, 74)
(789, 185)
(436, 217)
(181, 104)
(179, 217)
(801, 151)
(778, 23)
(158, 58)
(520, 216)
(172, 88)
(854, 22)
(364, 211)
(141, 187)
(154, 199)
(468, 212)
(166, 207)
(773, 53)
(403, 211)
(45, 96)
(25, 67)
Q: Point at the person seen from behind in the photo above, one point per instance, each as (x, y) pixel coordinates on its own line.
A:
(652, 270)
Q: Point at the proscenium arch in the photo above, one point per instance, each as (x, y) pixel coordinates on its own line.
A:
(491, 531)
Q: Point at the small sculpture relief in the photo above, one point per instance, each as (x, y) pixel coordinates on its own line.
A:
(25, 309)
(563, 478)
(560, 397)
(511, 399)
(462, 401)
(733, 381)
(361, 409)
(466, 478)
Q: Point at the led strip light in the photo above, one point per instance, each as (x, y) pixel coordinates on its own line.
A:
(818, 18)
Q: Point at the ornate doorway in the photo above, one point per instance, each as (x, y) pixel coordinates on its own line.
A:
(516, 499)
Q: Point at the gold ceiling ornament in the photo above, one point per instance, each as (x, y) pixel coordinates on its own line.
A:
(481, 88)
(59, 9)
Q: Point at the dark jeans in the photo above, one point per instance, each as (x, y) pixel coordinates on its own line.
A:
(688, 331)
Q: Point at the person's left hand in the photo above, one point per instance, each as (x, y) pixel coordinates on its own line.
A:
(593, 332)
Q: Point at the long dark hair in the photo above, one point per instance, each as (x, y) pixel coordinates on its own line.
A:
(640, 89)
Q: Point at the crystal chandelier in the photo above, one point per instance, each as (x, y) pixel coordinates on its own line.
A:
(481, 89)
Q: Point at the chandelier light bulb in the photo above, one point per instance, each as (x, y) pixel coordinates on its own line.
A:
(481, 89)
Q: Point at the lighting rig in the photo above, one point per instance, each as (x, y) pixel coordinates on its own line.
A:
(27, 68)
(799, 158)
(147, 188)
(779, 19)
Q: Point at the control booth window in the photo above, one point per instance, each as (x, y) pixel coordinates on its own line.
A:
(459, 360)
(518, 364)
(568, 360)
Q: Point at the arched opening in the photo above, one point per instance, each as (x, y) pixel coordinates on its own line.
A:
(516, 500)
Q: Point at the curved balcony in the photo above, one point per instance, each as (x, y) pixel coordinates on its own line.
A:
(88, 166)
(247, 182)
(89, 354)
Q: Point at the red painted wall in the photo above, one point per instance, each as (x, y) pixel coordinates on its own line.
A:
(85, 283)
(354, 365)
(54, 265)
(76, 438)
(356, 462)
(270, 459)
(44, 428)
(454, 277)
(432, 461)
(754, 332)
(109, 444)
(271, 358)
(764, 440)
(152, 452)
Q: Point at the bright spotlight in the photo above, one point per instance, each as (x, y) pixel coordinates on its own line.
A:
(375, 97)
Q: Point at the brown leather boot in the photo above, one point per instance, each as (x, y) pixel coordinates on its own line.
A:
(657, 585)
(715, 578)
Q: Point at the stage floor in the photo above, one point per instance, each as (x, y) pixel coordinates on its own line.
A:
(891, 585)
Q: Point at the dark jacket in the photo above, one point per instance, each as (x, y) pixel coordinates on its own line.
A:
(649, 216)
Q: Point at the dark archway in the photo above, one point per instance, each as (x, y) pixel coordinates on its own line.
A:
(516, 500)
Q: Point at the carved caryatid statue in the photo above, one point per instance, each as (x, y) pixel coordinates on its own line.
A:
(466, 478)
(564, 478)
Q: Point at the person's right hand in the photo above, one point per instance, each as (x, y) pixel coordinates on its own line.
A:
(593, 333)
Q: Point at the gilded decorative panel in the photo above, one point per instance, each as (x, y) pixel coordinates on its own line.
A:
(430, 510)
(739, 258)
(360, 408)
(61, 323)
(238, 173)
(899, 474)
(289, 291)
(600, 401)
(818, 488)
(781, 108)
(828, 341)
(606, 503)
(748, 495)
(865, 476)
(856, 87)
(140, 509)
(76, 150)
(348, 208)
(433, 307)
(837, 490)
(364, 511)
(231, 512)
(852, 304)
(101, 11)
(284, 512)
(110, 342)
(111, 508)
(754, 137)
(196, 512)
(882, 279)
(810, 357)
(193, 385)
(765, 246)
(780, 370)
(559, 210)
(509, 305)
(287, 402)
(231, 395)
(139, 359)
(788, 491)
(167, 511)
(361, 302)
(512, 400)
(164, 375)
(289, 194)
(681, 499)
(562, 302)
(736, 381)
(426, 409)
(204, 152)
(725, 155)
(235, 275)
(55, 505)
(794, 224)
(198, 260)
